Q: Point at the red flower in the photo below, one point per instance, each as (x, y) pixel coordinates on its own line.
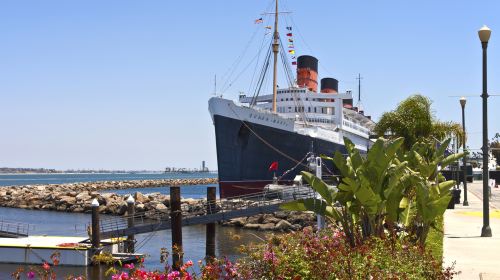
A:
(46, 266)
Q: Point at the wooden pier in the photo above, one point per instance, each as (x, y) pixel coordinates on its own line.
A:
(215, 210)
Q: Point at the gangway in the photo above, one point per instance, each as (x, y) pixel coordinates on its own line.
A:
(264, 202)
(13, 229)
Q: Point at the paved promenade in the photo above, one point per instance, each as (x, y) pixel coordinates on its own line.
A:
(476, 257)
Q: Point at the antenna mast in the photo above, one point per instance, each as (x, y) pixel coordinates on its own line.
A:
(359, 87)
(275, 51)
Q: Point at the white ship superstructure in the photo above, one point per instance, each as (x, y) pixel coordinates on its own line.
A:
(284, 127)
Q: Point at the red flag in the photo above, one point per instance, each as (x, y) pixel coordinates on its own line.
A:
(289, 34)
(294, 62)
(273, 166)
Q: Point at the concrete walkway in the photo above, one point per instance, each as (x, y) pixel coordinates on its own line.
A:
(476, 257)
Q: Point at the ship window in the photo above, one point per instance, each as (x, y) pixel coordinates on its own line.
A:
(298, 99)
(281, 99)
(287, 99)
(291, 99)
(309, 109)
(315, 110)
(307, 99)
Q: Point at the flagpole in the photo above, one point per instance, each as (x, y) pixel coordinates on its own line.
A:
(275, 51)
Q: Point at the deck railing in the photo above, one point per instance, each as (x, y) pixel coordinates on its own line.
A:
(244, 204)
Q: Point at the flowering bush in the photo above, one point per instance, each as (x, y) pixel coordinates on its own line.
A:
(295, 256)
(214, 269)
(139, 273)
(308, 255)
(327, 255)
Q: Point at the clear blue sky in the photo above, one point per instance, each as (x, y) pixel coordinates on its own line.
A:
(124, 84)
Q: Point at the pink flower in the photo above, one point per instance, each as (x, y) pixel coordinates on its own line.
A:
(129, 266)
(174, 275)
(46, 266)
(121, 276)
(268, 256)
(30, 275)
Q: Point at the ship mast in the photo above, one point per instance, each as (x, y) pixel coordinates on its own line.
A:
(276, 45)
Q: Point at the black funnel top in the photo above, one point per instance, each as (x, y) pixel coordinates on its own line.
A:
(307, 61)
(329, 83)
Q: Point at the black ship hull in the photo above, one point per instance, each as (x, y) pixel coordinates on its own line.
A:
(245, 151)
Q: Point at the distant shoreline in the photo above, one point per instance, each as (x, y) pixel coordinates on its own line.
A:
(104, 173)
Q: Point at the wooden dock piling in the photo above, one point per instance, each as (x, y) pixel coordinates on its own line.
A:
(130, 244)
(210, 234)
(176, 223)
(95, 235)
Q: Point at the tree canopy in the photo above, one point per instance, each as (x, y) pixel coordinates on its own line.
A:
(414, 120)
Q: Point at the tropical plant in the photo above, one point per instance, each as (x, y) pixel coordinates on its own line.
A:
(432, 190)
(414, 121)
(370, 189)
(386, 192)
(495, 147)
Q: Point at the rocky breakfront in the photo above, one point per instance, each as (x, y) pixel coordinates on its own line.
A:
(76, 197)
(278, 221)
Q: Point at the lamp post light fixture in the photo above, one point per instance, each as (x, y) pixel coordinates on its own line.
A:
(484, 35)
(462, 103)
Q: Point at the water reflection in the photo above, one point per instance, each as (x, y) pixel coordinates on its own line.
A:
(73, 224)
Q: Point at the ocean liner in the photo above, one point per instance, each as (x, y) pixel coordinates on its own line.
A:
(264, 137)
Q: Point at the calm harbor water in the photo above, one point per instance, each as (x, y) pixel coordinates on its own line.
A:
(32, 179)
(74, 224)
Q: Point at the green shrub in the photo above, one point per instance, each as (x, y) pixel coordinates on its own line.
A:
(327, 255)
(387, 193)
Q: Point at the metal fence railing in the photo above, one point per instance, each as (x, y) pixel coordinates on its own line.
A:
(14, 228)
(268, 197)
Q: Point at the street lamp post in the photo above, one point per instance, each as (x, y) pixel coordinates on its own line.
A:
(484, 35)
(462, 103)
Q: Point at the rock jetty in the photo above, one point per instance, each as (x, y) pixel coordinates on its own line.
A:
(278, 221)
(77, 197)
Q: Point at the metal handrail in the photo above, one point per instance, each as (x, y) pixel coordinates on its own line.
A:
(241, 202)
(16, 228)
